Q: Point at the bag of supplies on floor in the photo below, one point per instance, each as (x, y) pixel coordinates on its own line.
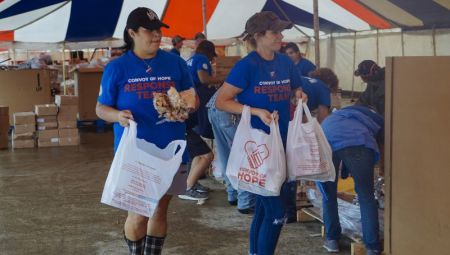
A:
(308, 153)
(257, 162)
(141, 173)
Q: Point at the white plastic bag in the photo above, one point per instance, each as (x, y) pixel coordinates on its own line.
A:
(141, 173)
(308, 153)
(257, 162)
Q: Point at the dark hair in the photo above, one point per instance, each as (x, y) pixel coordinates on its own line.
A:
(292, 46)
(199, 35)
(327, 76)
(129, 43)
(206, 48)
(251, 39)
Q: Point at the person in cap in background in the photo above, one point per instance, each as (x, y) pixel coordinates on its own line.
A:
(124, 96)
(177, 42)
(198, 38)
(355, 134)
(373, 75)
(264, 65)
(198, 126)
(304, 65)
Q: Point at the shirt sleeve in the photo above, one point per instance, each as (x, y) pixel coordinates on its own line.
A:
(202, 64)
(109, 86)
(324, 94)
(239, 76)
(186, 78)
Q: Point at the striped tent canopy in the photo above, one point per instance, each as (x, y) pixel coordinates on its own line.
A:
(54, 21)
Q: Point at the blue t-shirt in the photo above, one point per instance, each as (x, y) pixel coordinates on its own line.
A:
(266, 85)
(196, 63)
(175, 51)
(354, 126)
(318, 93)
(128, 84)
(305, 66)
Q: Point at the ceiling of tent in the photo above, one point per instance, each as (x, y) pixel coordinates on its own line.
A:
(53, 21)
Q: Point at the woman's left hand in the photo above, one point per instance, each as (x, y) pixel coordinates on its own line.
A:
(299, 94)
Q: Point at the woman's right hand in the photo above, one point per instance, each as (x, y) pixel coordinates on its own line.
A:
(263, 114)
(123, 118)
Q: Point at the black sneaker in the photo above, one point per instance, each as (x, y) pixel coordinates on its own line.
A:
(233, 203)
(192, 194)
(246, 211)
(200, 188)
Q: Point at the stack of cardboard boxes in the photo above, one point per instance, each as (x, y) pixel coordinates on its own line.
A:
(224, 65)
(24, 128)
(67, 120)
(47, 126)
(4, 126)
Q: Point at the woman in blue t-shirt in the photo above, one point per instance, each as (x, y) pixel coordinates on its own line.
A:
(265, 80)
(126, 93)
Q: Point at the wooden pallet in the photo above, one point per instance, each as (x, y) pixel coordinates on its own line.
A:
(311, 214)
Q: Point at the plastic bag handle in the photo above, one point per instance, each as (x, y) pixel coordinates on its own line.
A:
(132, 129)
(307, 112)
(298, 114)
(246, 114)
(182, 144)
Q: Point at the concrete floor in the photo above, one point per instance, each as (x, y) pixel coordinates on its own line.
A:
(50, 204)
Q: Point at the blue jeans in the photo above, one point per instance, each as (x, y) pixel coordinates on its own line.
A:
(267, 224)
(224, 130)
(360, 162)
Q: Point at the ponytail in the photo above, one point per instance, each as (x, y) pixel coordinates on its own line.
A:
(129, 43)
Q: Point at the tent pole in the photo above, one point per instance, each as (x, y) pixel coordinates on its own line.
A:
(316, 32)
(204, 17)
(354, 66)
(434, 40)
(13, 50)
(378, 47)
(64, 67)
(403, 43)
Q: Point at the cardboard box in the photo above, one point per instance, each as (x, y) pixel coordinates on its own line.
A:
(4, 110)
(21, 90)
(48, 134)
(24, 118)
(25, 128)
(87, 87)
(66, 100)
(3, 140)
(45, 119)
(68, 112)
(4, 122)
(19, 144)
(46, 110)
(22, 136)
(73, 132)
(47, 126)
(62, 124)
(229, 61)
(48, 142)
(69, 141)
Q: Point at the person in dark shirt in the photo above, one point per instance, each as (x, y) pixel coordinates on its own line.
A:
(373, 75)
(177, 43)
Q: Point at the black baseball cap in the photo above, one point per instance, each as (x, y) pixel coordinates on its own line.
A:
(146, 18)
(366, 67)
(266, 20)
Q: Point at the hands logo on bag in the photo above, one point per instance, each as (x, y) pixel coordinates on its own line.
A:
(256, 154)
